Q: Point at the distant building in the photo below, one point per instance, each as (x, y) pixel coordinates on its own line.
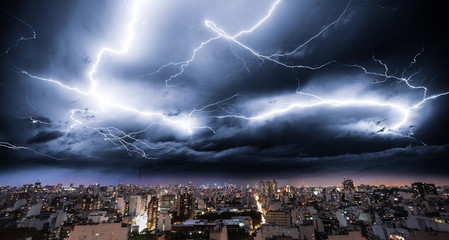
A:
(121, 205)
(35, 210)
(106, 231)
(186, 206)
(33, 222)
(423, 189)
(341, 218)
(19, 203)
(167, 202)
(268, 188)
(348, 185)
(307, 232)
(353, 235)
(134, 205)
(219, 233)
(270, 231)
(98, 217)
(164, 221)
(57, 219)
(418, 235)
(194, 225)
(152, 212)
(247, 220)
(88, 203)
(201, 205)
(277, 218)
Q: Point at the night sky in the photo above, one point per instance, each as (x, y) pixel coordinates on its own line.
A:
(204, 91)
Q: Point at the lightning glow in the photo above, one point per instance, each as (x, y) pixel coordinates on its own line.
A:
(402, 79)
(14, 147)
(271, 58)
(395, 129)
(116, 136)
(193, 120)
(112, 134)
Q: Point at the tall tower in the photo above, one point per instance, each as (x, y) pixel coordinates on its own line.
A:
(134, 205)
(348, 185)
(422, 189)
(152, 212)
(186, 206)
(274, 187)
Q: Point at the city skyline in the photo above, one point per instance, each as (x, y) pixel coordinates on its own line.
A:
(317, 181)
(266, 211)
(306, 92)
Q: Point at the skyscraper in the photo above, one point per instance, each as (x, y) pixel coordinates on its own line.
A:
(348, 185)
(134, 205)
(186, 206)
(167, 202)
(423, 189)
(269, 188)
(152, 212)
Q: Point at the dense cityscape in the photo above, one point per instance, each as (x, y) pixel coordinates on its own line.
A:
(264, 210)
(216, 120)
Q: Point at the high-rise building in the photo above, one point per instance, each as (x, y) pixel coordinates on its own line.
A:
(88, 203)
(134, 205)
(152, 212)
(423, 189)
(269, 188)
(121, 205)
(167, 202)
(348, 185)
(164, 221)
(277, 218)
(186, 206)
(274, 187)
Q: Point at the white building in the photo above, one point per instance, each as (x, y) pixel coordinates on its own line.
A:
(164, 221)
(121, 205)
(106, 231)
(134, 205)
(98, 217)
(34, 210)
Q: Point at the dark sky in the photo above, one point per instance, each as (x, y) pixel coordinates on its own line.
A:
(222, 90)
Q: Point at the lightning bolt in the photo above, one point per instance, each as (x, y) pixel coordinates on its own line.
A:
(324, 29)
(274, 58)
(202, 109)
(403, 110)
(37, 121)
(134, 145)
(119, 138)
(401, 79)
(14, 147)
(20, 39)
(185, 63)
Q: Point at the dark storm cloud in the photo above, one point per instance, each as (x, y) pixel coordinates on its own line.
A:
(246, 162)
(45, 136)
(312, 140)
